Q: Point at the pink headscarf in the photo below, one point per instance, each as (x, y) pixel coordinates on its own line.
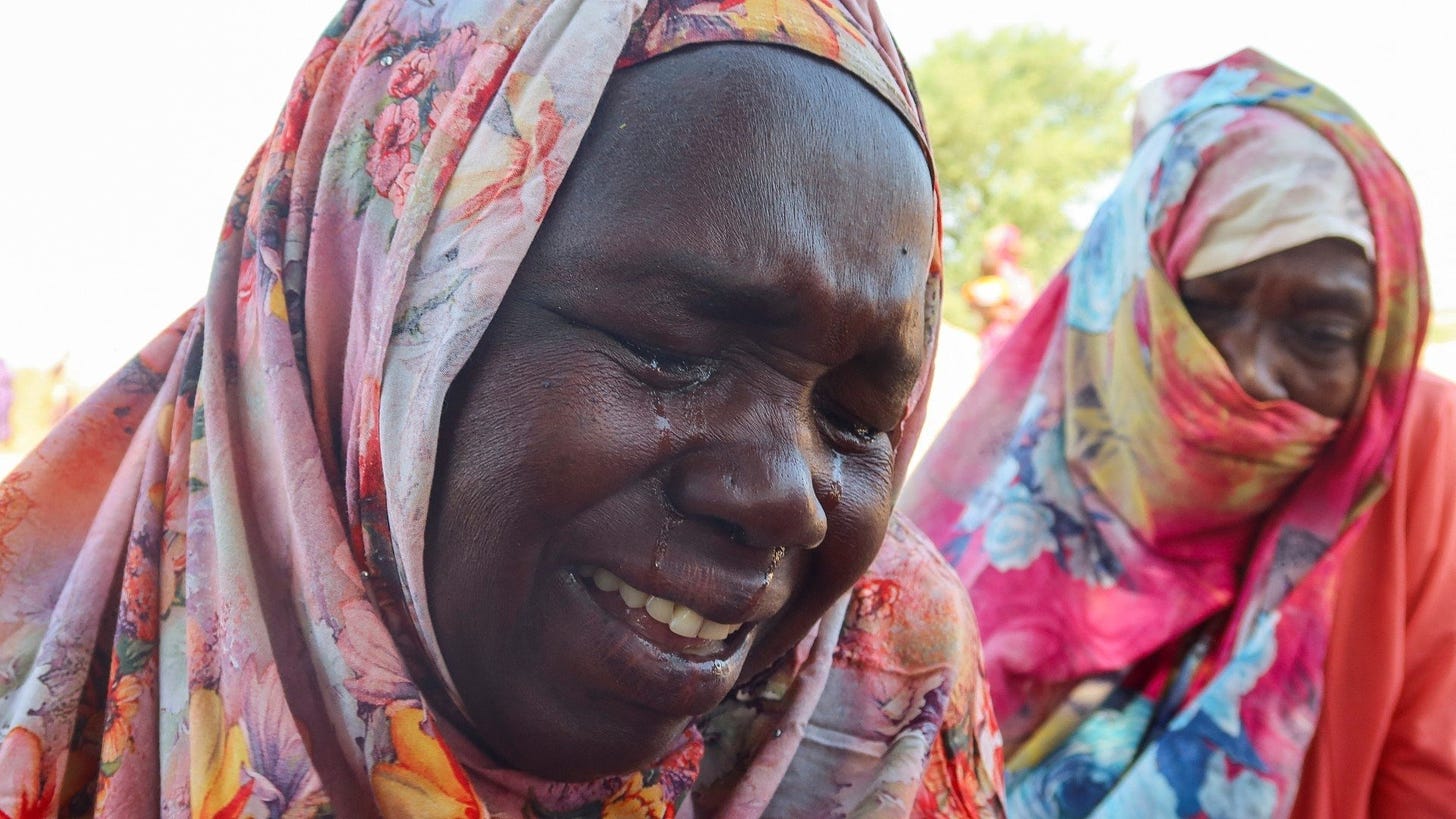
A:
(1118, 505)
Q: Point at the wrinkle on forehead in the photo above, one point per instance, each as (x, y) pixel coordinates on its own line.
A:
(706, 103)
(725, 141)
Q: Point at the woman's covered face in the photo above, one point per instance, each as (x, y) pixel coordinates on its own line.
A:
(1292, 325)
(674, 447)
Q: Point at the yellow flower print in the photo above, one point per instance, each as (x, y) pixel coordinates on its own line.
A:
(219, 761)
(804, 21)
(635, 800)
(424, 781)
(125, 700)
(277, 303)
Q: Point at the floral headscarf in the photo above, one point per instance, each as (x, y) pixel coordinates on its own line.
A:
(1151, 551)
(209, 597)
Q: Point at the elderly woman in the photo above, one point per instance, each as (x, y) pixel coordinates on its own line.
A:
(1203, 499)
(531, 453)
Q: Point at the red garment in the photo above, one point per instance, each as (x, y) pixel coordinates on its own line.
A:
(1385, 744)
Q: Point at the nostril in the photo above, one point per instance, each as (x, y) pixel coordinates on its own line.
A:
(756, 496)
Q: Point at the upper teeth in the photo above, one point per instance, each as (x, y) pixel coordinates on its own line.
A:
(682, 620)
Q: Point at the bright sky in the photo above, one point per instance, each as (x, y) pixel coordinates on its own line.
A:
(126, 132)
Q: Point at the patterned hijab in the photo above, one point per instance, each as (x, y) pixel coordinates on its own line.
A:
(210, 598)
(1151, 551)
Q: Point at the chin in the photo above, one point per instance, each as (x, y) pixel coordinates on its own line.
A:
(570, 754)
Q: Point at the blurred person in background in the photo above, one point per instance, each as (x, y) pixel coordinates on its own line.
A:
(1204, 501)
(1003, 292)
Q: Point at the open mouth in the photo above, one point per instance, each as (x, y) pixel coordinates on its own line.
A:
(672, 626)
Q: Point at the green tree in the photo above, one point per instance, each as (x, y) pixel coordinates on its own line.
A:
(1024, 124)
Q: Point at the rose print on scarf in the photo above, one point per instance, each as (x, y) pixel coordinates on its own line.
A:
(394, 132)
(412, 74)
(1207, 750)
(424, 68)
(1020, 531)
(873, 600)
(25, 793)
(1029, 507)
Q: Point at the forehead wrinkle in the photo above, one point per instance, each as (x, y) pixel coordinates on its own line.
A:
(672, 117)
(1339, 293)
(801, 105)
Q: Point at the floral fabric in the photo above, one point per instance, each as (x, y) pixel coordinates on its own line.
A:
(209, 601)
(1152, 553)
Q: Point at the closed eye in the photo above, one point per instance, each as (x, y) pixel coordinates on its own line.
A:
(845, 431)
(661, 368)
(1327, 338)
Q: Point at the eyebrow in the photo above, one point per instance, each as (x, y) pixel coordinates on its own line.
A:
(762, 307)
(710, 291)
(1355, 301)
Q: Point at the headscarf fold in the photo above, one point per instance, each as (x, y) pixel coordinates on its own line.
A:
(1151, 551)
(212, 597)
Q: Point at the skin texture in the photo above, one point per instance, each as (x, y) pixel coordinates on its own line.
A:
(689, 383)
(1292, 325)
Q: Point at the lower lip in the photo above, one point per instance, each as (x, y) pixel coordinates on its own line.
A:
(641, 661)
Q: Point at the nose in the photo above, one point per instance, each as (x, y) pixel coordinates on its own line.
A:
(760, 488)
(1253, 358)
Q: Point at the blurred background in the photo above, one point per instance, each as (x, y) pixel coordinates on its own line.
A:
(127, 127)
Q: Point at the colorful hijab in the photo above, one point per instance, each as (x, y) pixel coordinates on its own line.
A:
(1151, 552)
(211, 599)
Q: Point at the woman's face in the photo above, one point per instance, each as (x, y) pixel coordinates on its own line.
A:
(1293, 324)
(690, 392)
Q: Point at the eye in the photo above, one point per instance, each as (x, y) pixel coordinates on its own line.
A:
(664, 369)
(1325, 338)
(845, 431)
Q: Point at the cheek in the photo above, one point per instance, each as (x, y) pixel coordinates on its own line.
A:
(867, 496)
(556, 435)
(856, 531)
(1346, 385)
(540, 440)
(1329, 388)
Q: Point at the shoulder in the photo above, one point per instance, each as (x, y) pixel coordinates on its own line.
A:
(1419, 508)
(914, 603)
(1432, 410)
(1425, 470)
(910, 671)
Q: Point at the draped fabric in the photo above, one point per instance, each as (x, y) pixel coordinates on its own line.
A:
(1151, 552)
(211, 599)
(1385, 742)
